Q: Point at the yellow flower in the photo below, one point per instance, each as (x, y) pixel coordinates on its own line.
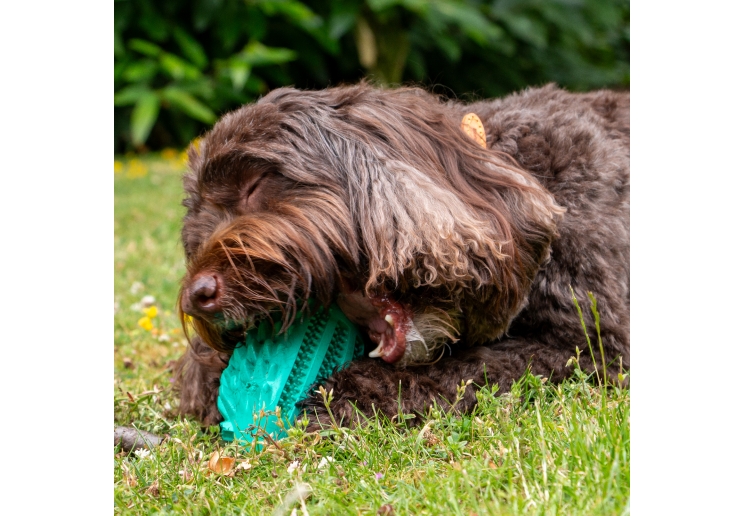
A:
(168, 153)
(145, 323)
(151, 312)
(118, 167)
(184, 157)
(136, 169)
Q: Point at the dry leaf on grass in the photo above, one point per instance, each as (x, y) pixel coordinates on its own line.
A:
(386, 510)
(221, 465)
(244, 465)
(129, 478)
(153, 490)
(428, 436)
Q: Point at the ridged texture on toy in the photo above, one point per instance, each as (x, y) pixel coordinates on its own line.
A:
(278, 370)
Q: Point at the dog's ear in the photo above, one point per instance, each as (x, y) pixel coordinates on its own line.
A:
(433, 207)
(413, 226)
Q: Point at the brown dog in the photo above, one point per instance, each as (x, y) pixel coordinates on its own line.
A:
(454, 248)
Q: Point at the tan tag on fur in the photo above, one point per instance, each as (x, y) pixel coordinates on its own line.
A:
(473, 127)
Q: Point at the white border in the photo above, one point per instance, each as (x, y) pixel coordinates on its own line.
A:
(57, 254)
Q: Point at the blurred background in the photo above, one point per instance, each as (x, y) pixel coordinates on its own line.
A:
(180, 64)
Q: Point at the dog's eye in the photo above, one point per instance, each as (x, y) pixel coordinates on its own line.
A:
(252, 188)
(251, 197)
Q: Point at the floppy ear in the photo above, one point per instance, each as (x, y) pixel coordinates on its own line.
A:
(436, 209)
(414, 227)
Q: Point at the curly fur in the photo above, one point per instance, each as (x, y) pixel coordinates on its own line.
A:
(379, 193)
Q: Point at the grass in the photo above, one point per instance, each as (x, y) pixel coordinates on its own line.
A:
(540, 449)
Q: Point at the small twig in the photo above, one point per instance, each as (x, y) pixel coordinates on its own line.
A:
(268, 437)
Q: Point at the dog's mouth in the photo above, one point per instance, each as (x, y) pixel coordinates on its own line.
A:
(389, 330)
(389, 323)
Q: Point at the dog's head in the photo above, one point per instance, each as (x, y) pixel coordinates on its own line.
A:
(375, 190)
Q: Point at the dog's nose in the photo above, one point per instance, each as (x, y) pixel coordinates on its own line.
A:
(203, 297)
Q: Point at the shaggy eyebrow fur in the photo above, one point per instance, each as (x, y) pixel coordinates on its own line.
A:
(308, 193)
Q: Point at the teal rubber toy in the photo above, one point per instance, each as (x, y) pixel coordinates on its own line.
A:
(273, 370)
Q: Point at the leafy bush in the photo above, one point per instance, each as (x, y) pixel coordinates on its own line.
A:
(179, 64)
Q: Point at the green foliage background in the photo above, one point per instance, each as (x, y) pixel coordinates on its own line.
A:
(180, 64)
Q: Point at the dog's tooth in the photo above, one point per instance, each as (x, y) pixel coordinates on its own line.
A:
(376, 353)
(389, 320)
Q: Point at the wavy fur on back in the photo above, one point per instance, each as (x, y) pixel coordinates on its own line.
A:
(380, 190)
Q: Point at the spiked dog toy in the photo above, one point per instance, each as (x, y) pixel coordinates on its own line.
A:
(273, 370)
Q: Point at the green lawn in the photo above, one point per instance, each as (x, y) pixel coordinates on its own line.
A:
(541, 449)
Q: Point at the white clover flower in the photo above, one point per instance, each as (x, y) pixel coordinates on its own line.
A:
(324, 462)
(142, 453)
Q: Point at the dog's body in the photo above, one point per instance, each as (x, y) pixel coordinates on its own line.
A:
(459, 261)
